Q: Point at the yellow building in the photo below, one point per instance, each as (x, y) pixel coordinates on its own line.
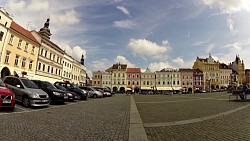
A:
(239, 68)
(211, 72)
(97, 78)
(20, 52)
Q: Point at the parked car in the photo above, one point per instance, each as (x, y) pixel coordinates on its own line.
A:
(71, 95)
(92, 91)
(73, 88)
(106, 92)
(7, 99)
(55, 95)
(26, 91)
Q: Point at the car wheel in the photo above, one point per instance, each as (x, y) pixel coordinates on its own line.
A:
(26, 101)
(94, 96)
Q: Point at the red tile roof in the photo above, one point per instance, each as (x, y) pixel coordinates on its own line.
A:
(22, 31)
(138, 70)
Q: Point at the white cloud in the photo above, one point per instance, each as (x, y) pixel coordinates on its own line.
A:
(157, 66)
(76, 52)
(200, 43)
(68, 18)
(230, 6)
(230, 24)
(100, 65)
(124, 10)
(123, 60)
(179, 61)
(124, 24)
(143, 47)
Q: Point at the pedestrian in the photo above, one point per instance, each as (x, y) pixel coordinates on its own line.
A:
(244, 91)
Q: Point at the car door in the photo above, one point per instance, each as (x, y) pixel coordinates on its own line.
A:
(19, 89)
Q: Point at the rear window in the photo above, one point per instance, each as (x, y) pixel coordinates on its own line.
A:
(29, 84)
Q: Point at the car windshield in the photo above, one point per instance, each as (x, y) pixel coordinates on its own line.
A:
(2, 83)
(61, 87)
(29, 84)
(49, 85)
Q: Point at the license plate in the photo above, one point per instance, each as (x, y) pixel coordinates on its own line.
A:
(43, 100)
(6, 101)
(65, 97)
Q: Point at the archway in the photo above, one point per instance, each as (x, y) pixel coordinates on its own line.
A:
(217, 87)
(212, 87)
(137, 90)
(115, 89)
(190, 90)
(5, 72)
(122, 90)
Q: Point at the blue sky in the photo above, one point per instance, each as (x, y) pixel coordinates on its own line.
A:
(142, 33)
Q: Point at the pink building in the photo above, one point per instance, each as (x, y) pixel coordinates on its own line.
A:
(133, 79)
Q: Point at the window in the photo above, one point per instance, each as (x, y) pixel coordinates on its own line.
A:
(24, 62)
(30, 64)
(39, 66)
(11, 39)
(128, 82)
(33, 50)
(19, 44)
(26, 47)
(56, 71)
(57, 59)
(45, 54)
(7, 57)
(43, 67)
(51, 69)
(41, 53)
(16, 60)
(48, 68)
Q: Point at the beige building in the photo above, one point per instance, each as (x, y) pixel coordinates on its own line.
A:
(20, 53)
(67, 67)
(5, 22)
(97, 78)
(76, 71)
(211, 72)
(50, 56)
(118, 72)
(187, 80)
(168, 79)
(106, 80)
(147, 80)
(225, 76)
(83, 75)
(238, 68)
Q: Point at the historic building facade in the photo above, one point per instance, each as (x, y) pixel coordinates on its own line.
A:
(147, 80)
(76, 71)
(187, 80)
(20, 51)
(238, 68)
(225, 76)
(106, 80)
(247, 73)
(133, 79)
(198, 83)
(119, 77)
(97, 78)
(168, 79)
(5, 22)
(50, 56)
(211, 72)
(67, 67)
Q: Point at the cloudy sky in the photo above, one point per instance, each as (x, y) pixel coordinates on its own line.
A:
(141, 33)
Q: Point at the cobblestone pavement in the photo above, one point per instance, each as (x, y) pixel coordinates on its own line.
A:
(235, 125)
(94, 119)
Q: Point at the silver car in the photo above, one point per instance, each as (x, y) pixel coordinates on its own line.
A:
(26, 91)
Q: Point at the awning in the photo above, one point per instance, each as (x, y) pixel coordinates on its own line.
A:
(128, 89)
(164, 88)
(146, 88)
(177, 88)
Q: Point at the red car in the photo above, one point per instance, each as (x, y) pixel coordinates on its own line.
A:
(7, 97)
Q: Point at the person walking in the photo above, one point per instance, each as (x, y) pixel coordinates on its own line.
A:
(244, 91)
